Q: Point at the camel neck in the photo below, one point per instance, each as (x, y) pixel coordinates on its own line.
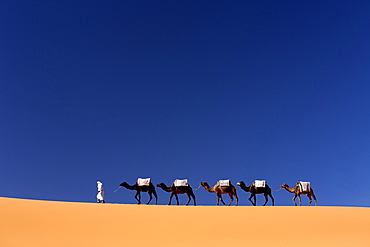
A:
(291, 190)
(209, 189)
(165, 188)
(127, 186)
(246, 188)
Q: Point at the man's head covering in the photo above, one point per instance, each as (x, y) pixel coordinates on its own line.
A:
(98, 182)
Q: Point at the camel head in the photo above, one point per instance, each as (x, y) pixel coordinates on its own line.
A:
(124, 184)
(284, 186)
(161, 185)
(204, 184)
(241, 183)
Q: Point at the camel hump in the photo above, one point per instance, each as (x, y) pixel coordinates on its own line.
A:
(225, 182)
(304, 186)
(143, 181)
(180, 182)
(259, 183)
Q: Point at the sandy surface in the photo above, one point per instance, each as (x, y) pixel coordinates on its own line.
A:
(44, 223)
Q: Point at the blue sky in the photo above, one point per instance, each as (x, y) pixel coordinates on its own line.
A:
(203, 90)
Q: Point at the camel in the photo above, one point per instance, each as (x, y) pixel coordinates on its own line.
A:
(219, 190)
(144, 188)
(175, 190)
(297, 193)
(266, 191)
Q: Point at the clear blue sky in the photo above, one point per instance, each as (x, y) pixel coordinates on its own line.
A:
(203, 90)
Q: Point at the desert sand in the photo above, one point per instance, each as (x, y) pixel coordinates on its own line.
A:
(47, 223)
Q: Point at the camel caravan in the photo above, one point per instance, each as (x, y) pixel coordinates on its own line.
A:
(181, 186)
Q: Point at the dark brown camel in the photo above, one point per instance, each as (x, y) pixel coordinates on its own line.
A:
(175, 190)
(266, 191)
(297, 193)
(142, 188)
(219, 190)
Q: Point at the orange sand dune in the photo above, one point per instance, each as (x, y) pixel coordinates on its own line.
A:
(44, 223)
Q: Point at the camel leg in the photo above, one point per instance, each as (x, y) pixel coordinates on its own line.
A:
(222, 200)
(191, 195)
(314, 197)
(150, 198)
(177, 199)
(310, 195)
(266, 199)
(250, 199)
(169, 203)
(189, 199)
(195, 203)
(138, 197)
(309, 198)
(231, 199)
(299, 200)
(236, 199)
(156, 197)
(219, 196)
(294, 197)
(272, 199)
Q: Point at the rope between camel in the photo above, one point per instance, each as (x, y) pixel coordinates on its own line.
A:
(278, 189)
(113, 191)
(197, 188)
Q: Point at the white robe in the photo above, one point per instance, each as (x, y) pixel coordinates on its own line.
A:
(100, 195)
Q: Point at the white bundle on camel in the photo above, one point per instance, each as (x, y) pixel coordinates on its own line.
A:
(179, 182)
(224, 182)
(259, 183)
(304, 186)
(143, 181)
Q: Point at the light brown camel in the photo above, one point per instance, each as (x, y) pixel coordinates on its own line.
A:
(297, 193)
(142, 188)
(175, 190)
(266, 191)
(219, 190)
